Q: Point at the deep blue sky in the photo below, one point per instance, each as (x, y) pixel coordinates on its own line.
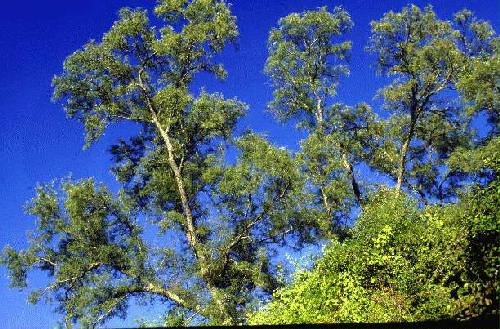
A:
(37, 142)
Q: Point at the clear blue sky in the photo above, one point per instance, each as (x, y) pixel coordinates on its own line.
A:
(37, 142)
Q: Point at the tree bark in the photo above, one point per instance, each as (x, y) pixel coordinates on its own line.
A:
(188, 215)
(319, 114)
(406, 145)
(350, 171)
(345, 161)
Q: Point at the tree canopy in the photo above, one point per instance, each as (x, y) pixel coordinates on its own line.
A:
(423, 246)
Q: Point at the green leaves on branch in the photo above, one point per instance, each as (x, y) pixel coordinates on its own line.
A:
(112, 80)
(306, 61)
(85, 242)
(429, 58)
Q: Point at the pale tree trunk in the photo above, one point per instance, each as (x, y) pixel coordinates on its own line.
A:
(189, 222)
(190, 227)
(402, 164)
(319, 114)
(401, 171)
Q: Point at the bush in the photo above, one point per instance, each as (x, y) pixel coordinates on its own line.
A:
(402, 263)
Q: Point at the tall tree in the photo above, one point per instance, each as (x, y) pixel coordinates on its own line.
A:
(218, 221)
(308, 55)
(405, 262)
(420, 52)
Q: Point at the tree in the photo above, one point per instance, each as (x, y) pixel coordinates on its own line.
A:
(420, 51)
(479, 88)
(218, 220)
(403, 261)
(307, 57)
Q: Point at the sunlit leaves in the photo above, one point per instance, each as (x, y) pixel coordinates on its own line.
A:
(307, 58)
(401, 264)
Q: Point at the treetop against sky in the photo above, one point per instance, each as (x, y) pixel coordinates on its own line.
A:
(165, 98)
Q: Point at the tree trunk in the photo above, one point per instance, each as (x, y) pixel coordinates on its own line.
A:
(354, 183)
(402, 163)
(191, 231)
(404, 149)
(319, 115)
(345, 161)
(188, 215)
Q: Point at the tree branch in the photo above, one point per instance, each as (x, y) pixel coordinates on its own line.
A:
(190, 227)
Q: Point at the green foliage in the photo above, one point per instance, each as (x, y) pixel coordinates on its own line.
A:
(420, 52)
(307, 57)
(477, 160)
(480, 85)
(77, 233)
(479, 88)
(302, 60)
(226, 217)
(402, 263)
(410, 256)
